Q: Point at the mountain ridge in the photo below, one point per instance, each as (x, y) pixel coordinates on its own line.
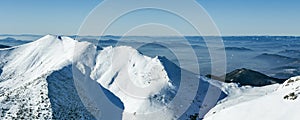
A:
(245, 77)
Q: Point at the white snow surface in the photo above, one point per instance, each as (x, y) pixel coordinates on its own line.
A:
(36, 79)
(274, 102)
(133, 78)
(37, 82)
(25, 74)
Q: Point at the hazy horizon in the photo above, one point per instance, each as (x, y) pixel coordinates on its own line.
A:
(29, 34)
(233, 18)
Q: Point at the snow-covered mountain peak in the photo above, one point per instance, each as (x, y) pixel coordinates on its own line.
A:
(31, 82)
(141, 70)
(44, 73)
(40, 56)
(140, 82)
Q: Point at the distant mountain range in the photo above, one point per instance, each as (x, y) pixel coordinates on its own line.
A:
(12, 42)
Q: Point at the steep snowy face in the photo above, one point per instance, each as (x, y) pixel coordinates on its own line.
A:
(60, 78)
(27, 84)
(281, 103)
(140, 82)
(37, 80)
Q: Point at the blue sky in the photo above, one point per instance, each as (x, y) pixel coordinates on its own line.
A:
(232, 17)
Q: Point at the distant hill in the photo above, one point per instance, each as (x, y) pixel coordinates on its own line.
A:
(247, 77)
(12, 42)
(4, 46)
(238, 49)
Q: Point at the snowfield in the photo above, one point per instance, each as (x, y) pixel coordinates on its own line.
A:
(57, 77)
(135, 79)
(275, 102)
(27, 71)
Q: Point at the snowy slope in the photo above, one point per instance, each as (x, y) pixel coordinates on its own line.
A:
(135, 79)
(41, 79)
(279, 102)
(146, 86)
(27, 84)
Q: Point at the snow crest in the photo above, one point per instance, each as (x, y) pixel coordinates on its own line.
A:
(30, 77)
(134, 78)
(36, 80)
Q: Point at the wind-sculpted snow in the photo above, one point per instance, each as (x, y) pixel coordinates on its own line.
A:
(140, 82)
(60, 78)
